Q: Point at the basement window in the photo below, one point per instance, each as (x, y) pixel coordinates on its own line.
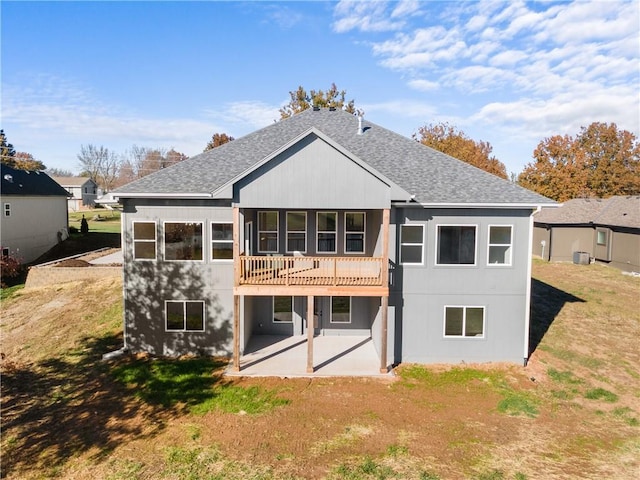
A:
(282, 309)
(184, 316)
(340, 309)
(464, 322)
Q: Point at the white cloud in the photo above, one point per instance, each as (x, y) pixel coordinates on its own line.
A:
(250, 115)
(527, 70)
(405, 8)
(423, 85)
(367, 16)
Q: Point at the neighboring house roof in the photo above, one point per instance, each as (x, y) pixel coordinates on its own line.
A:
(614, 211)
(430, 176)
(72, 181)
(29, 183)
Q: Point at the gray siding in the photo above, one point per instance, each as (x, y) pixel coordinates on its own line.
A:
(148, 284)
(312, 174)
(625, 251)
(421, 292)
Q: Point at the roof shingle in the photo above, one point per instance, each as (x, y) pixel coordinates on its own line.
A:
(433, 177)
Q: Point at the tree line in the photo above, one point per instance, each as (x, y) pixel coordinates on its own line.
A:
(600, 161)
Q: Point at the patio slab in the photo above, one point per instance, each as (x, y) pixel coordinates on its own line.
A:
(333, 356)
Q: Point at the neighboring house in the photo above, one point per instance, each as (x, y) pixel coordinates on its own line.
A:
(584, 229)
(34, 214)
(83, 190)
(326, 224)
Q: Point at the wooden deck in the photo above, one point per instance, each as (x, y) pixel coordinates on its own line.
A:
(312, 271)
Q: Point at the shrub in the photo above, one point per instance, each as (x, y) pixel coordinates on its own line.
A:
(11, 271)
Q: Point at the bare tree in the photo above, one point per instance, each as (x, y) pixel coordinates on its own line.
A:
(100, 164)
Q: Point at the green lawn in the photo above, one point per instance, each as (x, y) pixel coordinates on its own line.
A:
(100, 220)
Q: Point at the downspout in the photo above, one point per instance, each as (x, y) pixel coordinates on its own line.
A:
(527, 302)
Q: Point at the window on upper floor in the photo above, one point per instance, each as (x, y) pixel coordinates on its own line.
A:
(326, 227)
(184, 315)
(7, 209)
(222, 241)
(411, 244)
(183, 241)
(463, 321)
(144, 240)
(283, 309)
(296, 232)
(500, 245)
(354, 230)
(268, 232)
(456, 245)
(340, 310)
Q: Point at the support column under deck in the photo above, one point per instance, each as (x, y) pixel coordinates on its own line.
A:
(236, 333)
(310, 329)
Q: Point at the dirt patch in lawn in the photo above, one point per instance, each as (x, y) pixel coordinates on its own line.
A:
(571, 413)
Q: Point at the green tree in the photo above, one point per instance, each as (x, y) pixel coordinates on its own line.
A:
(451, 141)
(6, 150)
(601, 161)
(218, 139)
(302, 100)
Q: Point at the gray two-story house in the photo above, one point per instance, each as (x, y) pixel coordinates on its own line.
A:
(327, 224)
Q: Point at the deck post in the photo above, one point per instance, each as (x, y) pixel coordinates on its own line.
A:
(310, 329)
(385, 299)
(236, 333)
(236, 245)
(384, 334)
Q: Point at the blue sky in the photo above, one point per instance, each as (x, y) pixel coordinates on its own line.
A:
(170, 74)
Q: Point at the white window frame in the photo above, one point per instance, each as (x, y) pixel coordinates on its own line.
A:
(214, 241)
(144, 240)
(273, 310)
(7, 209)
(464, 321)
(604, 234)
(510, 245)
(363, 232)
(331, 310)
(409, 244)
(184, 302)
(164, 242)
(475, 246)
(318, 232)
(277, 231)
(296, 231)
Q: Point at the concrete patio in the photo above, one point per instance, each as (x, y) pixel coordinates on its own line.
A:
(286, 356)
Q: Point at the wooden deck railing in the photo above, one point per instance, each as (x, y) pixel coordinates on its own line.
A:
(309, 271)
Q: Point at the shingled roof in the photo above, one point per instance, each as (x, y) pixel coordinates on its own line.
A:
(620, 211)
(22, 182)
(431, 176)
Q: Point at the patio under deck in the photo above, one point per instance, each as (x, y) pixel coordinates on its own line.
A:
(286, 356)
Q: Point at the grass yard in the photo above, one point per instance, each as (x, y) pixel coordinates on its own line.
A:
(100, 220)
(572, 413)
